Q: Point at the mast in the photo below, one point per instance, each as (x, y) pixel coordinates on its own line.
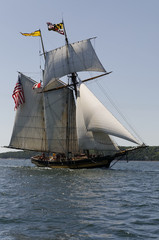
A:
(42, 44)
(73, 78)
(73, 75)
(66, 39)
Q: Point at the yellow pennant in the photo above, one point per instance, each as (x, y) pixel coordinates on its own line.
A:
(33, 34)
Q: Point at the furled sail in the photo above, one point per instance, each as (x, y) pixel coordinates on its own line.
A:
(76, 57)
(29, 129)
(56, 104)
(98, 119)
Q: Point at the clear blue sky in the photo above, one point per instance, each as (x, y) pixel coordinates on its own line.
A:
(127, 43)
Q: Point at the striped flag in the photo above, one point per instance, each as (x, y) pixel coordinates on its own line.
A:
(18, 94)
(56, 27)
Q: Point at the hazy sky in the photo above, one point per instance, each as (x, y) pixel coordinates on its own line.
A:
(127, 43)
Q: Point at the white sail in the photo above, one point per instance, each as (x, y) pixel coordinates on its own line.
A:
(54, 84)
(56, 104)
(29, 129)
(98, 119)
(79, 56)
(89, 139)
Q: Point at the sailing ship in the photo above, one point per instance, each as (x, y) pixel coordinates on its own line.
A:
(65, 121)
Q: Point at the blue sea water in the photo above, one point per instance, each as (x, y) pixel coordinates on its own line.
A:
(62, 204)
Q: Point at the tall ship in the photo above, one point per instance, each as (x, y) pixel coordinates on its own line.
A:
(65, 121)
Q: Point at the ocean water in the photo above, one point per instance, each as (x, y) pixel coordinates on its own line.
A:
(98, 204)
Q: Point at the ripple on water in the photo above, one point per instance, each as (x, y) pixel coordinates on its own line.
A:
(78, 204)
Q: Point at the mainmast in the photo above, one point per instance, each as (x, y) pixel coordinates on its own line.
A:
(73, 75)
(66, 39)
(74, 83)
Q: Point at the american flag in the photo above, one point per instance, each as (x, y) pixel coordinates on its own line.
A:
(18, 94)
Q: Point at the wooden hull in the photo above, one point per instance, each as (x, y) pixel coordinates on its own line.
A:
(96, 162)
(81, 162)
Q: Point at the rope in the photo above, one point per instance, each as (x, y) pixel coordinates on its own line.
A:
(117, 109)
(116, 161)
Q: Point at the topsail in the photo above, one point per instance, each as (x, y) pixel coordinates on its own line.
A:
(71, 58)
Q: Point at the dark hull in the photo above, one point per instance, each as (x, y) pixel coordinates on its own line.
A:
(96, 162)
(87, 162)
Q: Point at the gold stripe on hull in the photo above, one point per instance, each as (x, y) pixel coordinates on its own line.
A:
(72, 165)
